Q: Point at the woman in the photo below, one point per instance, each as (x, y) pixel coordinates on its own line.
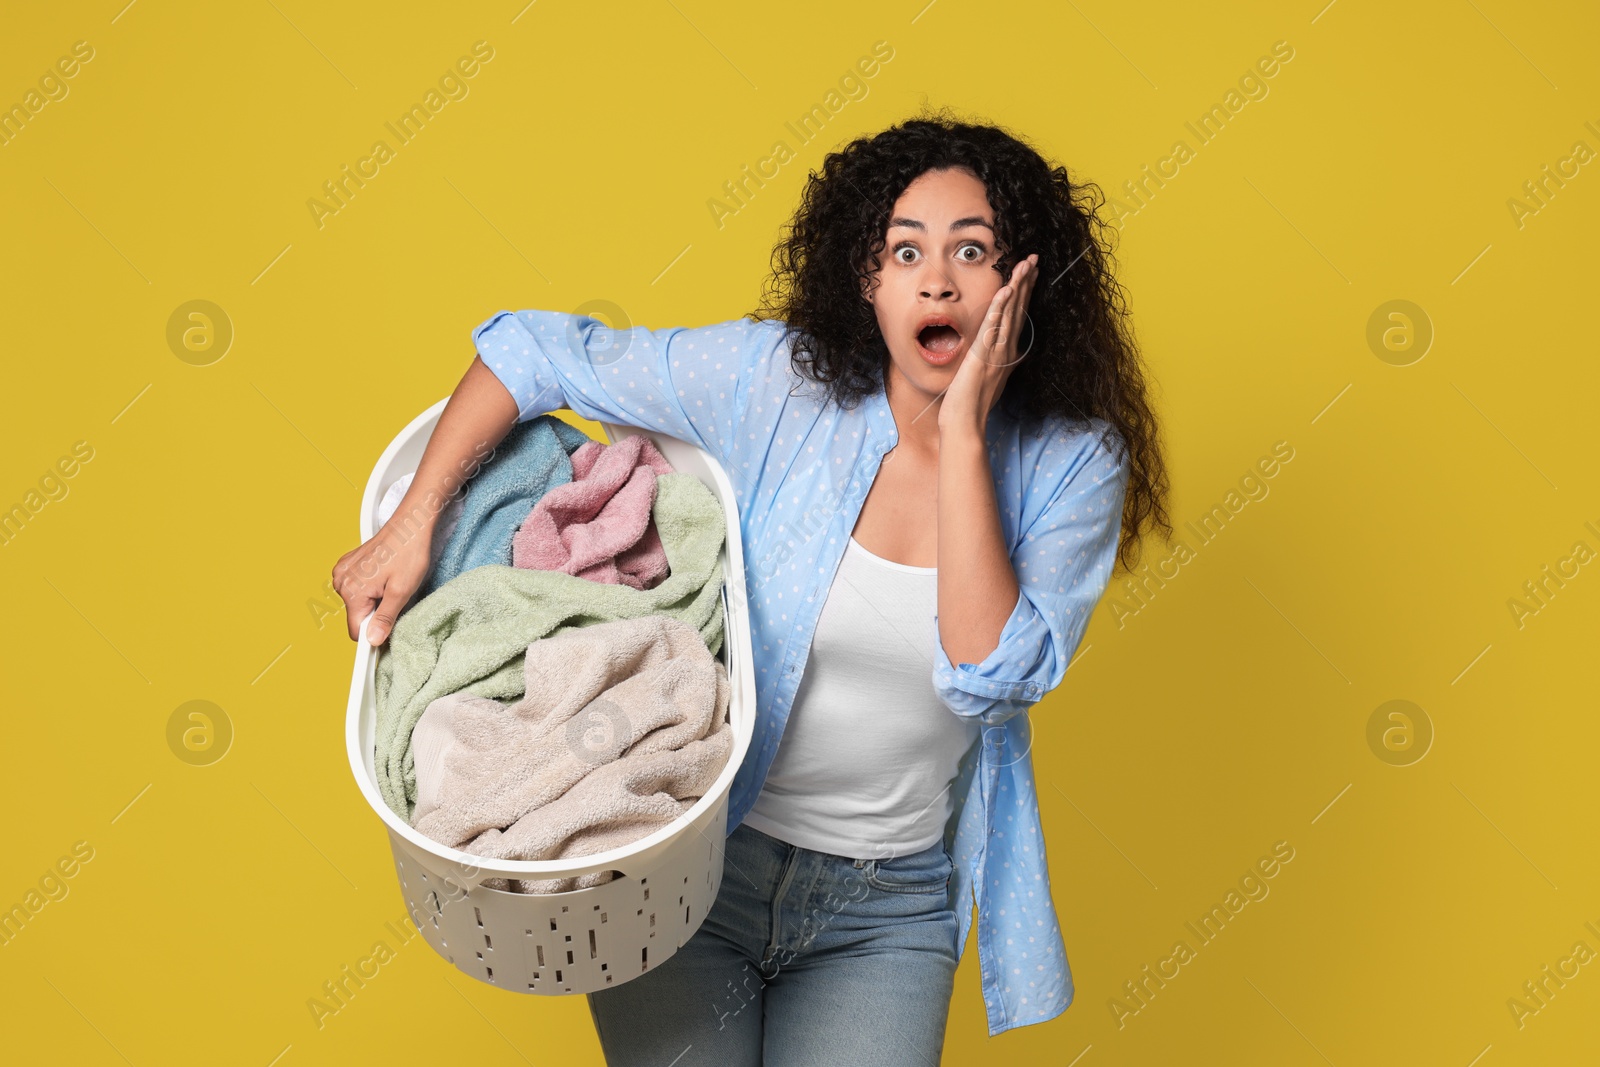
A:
(943, 301)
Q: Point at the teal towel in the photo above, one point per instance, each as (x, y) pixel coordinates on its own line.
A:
(473, 633)
(532, 459)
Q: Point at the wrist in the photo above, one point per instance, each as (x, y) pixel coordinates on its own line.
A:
(416, 516)
(964, 433)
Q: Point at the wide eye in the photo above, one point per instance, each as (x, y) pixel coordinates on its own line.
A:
(905, 248)
(961, 252)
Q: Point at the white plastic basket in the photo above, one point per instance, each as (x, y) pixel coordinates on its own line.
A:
(587, 939)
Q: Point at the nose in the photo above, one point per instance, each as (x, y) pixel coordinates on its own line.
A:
(936, 284)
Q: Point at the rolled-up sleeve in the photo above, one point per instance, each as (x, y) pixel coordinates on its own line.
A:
(1063, 563)
(688, 383)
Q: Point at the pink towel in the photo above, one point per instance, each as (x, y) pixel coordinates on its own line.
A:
(598, 526)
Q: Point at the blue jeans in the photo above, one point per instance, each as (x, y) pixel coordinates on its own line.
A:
(805, 958)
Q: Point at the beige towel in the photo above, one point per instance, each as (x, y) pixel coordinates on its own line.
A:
(621, 728)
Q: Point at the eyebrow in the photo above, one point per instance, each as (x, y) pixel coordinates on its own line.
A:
(914, 224)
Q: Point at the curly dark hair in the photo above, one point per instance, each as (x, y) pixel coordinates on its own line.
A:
(1083, 362)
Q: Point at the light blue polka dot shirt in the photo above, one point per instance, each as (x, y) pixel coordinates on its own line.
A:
(801, 468)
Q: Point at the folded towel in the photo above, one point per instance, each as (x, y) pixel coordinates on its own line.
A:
(623, 726)
(533, 457)
(472, 633)
(597, 526)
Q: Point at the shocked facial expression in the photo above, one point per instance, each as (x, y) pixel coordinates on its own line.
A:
(935, 278)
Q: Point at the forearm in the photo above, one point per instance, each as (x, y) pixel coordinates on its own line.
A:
(977, 584)
(477, 417)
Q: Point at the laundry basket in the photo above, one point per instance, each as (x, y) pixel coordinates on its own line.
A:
(587, 939)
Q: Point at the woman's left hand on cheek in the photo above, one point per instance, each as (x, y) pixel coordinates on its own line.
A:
(981, 378)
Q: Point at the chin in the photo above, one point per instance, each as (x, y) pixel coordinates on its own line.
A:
(919, 371)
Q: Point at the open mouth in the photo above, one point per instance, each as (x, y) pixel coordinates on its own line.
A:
(939, 339)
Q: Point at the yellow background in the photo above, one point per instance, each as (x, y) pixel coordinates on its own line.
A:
(1230, 713)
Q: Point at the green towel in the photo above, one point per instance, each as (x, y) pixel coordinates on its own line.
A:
(472, 633)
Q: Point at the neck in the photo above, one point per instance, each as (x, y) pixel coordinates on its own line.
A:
(916, 414)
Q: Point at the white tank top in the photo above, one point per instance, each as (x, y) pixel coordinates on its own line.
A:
(869, 753)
